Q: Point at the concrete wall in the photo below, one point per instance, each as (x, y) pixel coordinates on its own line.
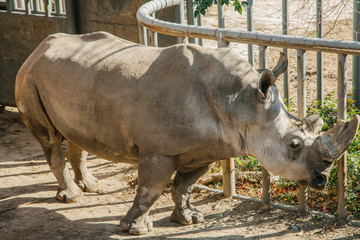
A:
(20, 34)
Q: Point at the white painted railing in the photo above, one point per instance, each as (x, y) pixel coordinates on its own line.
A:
(149, 26)
(37, 7)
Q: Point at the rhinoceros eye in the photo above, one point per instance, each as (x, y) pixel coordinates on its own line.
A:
(295, 144)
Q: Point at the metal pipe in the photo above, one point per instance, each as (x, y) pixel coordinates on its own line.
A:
(153, 35)
(319, 60)
(9, 6)
(200, 23)
(27, 7)
(250, 27)
(47, 8)
(301, 83)
(285, 30)
(190, 18)
(356, 59)
(221, 24)
(341, 114)
(228, 177)
(58, 7)
(36, 6)
(283, 41)
(263, 57)
(180, 18)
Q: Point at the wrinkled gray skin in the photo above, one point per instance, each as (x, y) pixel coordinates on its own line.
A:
(166, 109)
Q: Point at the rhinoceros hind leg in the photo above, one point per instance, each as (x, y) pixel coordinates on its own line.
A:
(184, 213)
(83, 178)
(50, 139)
(154, 173)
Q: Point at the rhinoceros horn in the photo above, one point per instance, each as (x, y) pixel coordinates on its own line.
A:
(337, 140)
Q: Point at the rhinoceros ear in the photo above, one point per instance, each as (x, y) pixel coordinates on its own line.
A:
(266, 79)
(313, 124)
(280, 66)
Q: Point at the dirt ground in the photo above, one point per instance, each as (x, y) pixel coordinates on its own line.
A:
(29, 210)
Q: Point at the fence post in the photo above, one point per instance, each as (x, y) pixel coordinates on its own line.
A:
(250, 27)
(27, 7)
(319, 60)
(356, 59)
(9, 5)
(262, 57)
(301, 95)
(341, 114)
(265, 174)
(47, 8)
(285, 30)
(228, 177)
(180, 18)
(190, 18)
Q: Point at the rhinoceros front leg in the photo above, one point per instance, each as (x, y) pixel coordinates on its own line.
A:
(184, 213)
(83, 178)
(154, 173)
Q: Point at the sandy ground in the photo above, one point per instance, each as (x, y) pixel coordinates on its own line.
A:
(28, 209)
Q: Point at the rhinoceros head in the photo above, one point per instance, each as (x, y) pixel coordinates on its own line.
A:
(292, 148)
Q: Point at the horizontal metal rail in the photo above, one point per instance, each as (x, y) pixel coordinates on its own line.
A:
(281, 41)
(274, 204)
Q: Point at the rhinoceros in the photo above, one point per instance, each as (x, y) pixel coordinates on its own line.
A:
(170, 109)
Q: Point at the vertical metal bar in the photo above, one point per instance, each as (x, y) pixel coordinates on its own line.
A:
(265, 185)
(180, 18)
(285, 30)
(341, 114)
(301, 82)
(150, 37)
(9, 5)
(302, 198)
(356, 59)
(265, 174)
(47, 8)
(228, 177)
(200, 23)
(36, 6)
(144, 36)
(141, 33)
(262, 57)
(319, 60)
(154, 35)
(221, 24)
(58, 7)
(250, 27)
(301, 95)
(190, 18)
(27, 7)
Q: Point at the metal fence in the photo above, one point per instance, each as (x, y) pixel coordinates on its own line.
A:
(37, 7)
(149, 26)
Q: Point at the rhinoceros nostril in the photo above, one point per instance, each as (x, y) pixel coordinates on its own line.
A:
(327, 163)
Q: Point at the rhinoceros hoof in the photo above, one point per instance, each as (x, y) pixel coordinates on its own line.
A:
(88, 185)
(139, 227)
(69, 196)
(187, 217)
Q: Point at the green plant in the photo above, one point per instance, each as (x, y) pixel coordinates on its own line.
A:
(202, 5)
(247, 163)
